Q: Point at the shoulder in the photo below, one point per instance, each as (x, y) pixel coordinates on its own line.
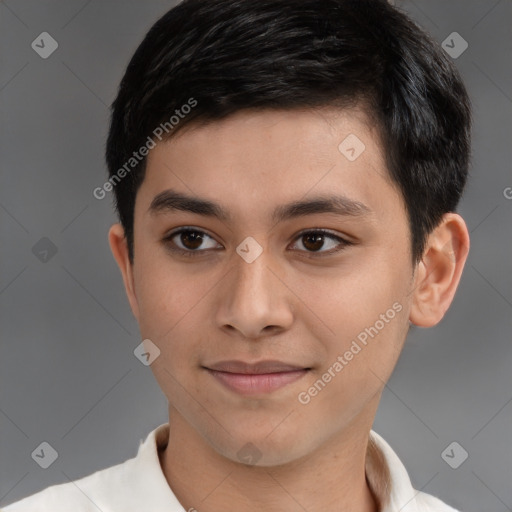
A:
(88, 494)
(56, 498)
(130, 486)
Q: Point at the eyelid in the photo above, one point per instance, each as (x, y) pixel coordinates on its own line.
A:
(167, 240)
(343, 242)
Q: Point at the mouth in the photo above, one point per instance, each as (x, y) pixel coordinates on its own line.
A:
(255, 378)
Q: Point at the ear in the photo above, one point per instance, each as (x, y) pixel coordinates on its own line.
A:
(119, 248)
(438, 273)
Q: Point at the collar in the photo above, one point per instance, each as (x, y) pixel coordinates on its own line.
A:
(386, 475)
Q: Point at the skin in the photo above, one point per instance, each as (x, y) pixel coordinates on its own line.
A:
(293, 303)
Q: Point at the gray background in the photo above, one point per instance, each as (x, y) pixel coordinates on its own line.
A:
(68, 375)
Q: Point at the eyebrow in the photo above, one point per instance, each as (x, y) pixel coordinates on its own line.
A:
(171, 200)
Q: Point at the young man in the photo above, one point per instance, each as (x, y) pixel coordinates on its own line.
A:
(286, 174)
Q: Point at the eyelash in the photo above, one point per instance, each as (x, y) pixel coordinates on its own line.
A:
(167, 240)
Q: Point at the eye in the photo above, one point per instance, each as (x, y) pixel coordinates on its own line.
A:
(314, 240)
(190, 240)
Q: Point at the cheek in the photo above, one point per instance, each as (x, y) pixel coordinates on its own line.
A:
(349, 299)
(355, 370)
(171, 314)
(165, 295)
(366, 311)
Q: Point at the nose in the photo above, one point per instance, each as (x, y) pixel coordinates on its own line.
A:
(254, 299)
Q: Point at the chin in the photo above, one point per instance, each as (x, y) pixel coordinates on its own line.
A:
(265, 447)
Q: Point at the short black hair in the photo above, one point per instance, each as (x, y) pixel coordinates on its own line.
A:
(224, 56)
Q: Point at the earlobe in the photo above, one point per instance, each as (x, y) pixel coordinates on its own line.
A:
(119, 248)
(439, 271)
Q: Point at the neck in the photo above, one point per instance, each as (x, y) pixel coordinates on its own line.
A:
(332, 479)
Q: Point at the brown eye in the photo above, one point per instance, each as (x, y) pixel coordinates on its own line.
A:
(191, 239)
(194, 242)
(315, 240)
(188, 241)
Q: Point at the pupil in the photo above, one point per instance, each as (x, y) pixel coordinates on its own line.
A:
(316, 239)
(192, 236)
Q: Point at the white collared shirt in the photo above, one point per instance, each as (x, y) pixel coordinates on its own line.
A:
(139, 484)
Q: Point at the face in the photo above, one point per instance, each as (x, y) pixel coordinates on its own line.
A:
(321, 289)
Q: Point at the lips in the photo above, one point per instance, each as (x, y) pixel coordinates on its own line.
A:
(255, 378)
(261, 367)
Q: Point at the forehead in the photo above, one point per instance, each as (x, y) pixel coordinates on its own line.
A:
(259, 160)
